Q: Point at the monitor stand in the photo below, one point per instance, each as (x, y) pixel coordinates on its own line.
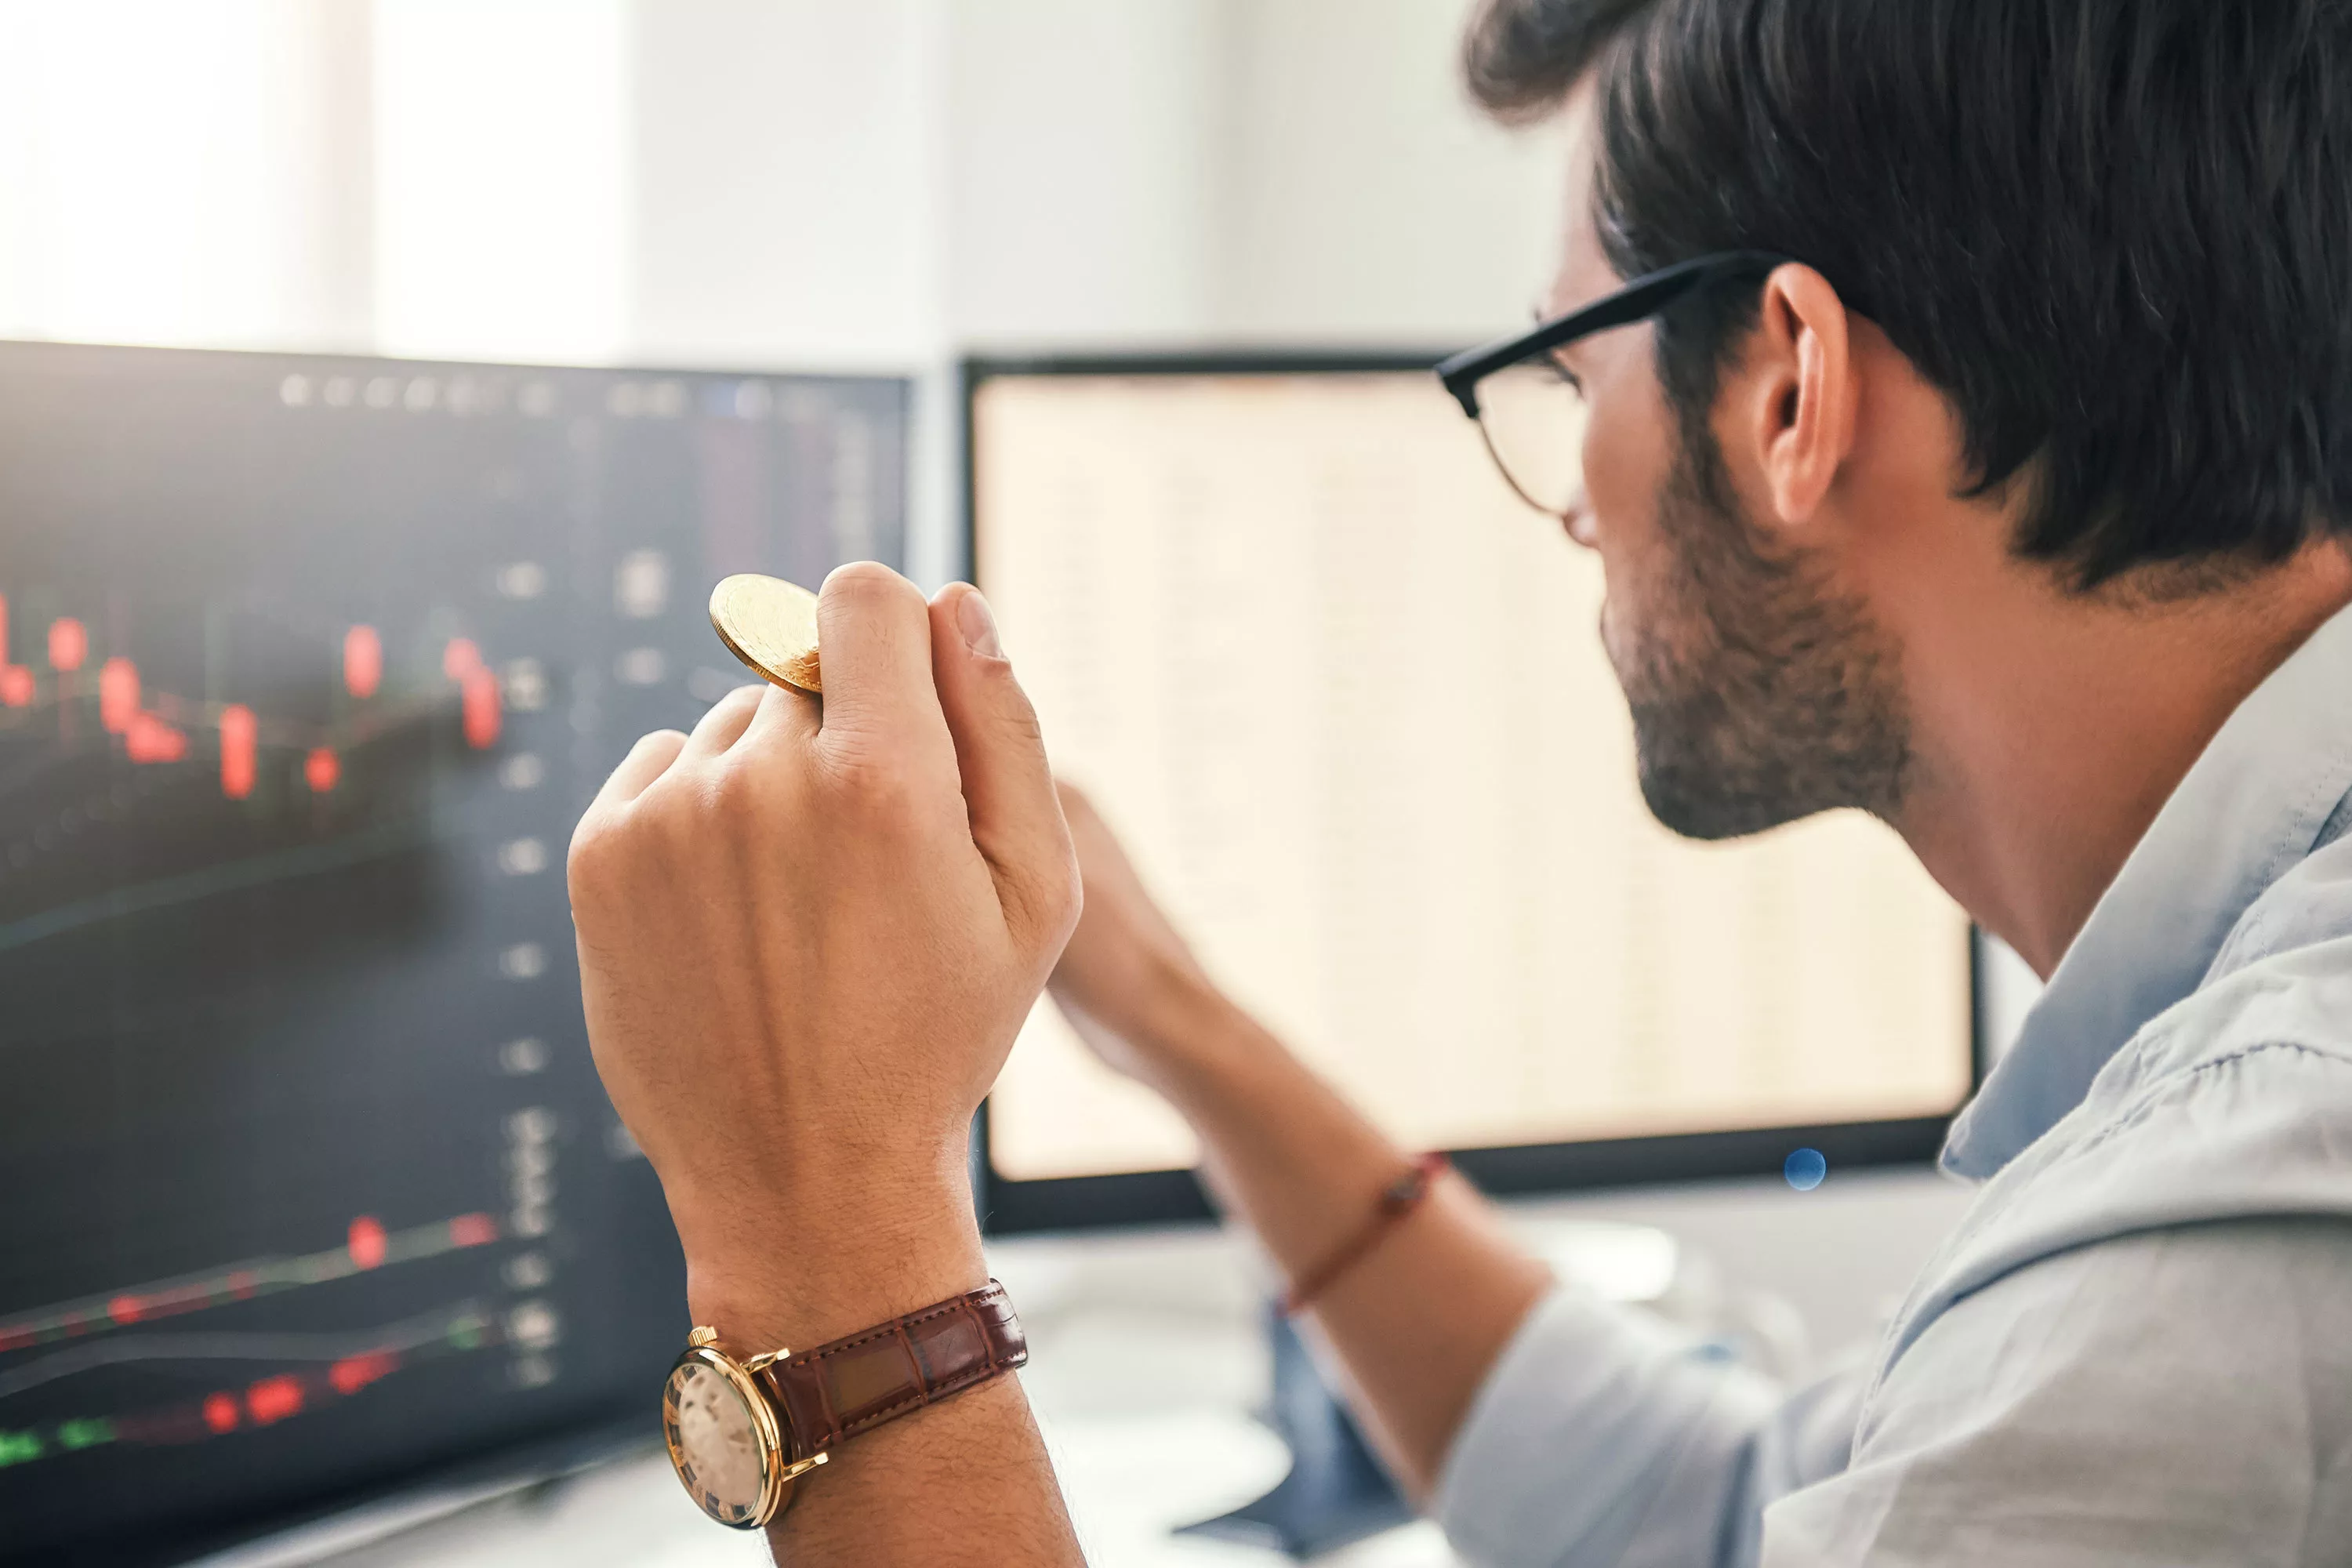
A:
(1335, 1493)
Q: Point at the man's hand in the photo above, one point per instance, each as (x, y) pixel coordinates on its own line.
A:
(808, 933)
(1127, 982)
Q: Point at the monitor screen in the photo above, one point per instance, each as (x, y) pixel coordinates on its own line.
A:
(1344, 698)
(308, 667)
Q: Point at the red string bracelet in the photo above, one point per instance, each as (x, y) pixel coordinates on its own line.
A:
(1397, 1200)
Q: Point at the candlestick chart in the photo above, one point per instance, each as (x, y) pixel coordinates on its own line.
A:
(307, 666)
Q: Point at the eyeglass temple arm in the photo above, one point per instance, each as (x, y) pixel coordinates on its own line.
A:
(1643, 298)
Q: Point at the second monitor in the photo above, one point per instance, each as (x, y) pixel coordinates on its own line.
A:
(1344, 698)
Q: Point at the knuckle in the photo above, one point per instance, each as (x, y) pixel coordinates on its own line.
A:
(874, 784)
(733, 793)
(664, 742)
(1006, 715)
(599, 863)
(1045, 900)
(584, 864)
(728, 706)
(1064, 897)
(1020, 715)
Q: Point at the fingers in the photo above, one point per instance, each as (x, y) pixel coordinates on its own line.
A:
(725, 723)
(1008, 789)
(874, 634)
(648, 761)
(785, 713)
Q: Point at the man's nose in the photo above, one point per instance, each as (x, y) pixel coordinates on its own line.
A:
(1578, 519)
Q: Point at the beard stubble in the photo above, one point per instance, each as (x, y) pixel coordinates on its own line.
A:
(1759, 694)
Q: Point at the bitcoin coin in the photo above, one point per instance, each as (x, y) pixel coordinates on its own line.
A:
(770, 626)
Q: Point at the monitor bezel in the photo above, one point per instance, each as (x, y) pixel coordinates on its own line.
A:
(1012, 1206)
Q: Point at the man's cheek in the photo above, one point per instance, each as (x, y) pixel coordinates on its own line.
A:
(1636, 608)
(1623, 615)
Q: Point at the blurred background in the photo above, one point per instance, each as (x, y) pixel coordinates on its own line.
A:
(875, 188)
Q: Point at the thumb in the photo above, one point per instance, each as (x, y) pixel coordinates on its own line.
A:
(1008, 789)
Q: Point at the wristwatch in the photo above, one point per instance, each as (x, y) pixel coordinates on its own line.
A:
(742, 1429)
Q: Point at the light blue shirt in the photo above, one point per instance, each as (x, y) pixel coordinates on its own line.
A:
(2136, 1347)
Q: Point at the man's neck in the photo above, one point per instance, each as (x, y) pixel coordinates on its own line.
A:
(2050, 730)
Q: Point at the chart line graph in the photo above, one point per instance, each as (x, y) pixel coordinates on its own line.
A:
(366, 1245)
(268, 1401)
(348, 1347)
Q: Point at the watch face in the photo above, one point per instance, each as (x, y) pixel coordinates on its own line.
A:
(715, 1441)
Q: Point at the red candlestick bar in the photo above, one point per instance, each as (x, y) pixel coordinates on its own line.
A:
(69, 644)
(473, 1230)
(150, 740)
(117, 694)
(366, 1241)
(355, 1372)
(482, 709)
(273, 1399)
(16, 679)
(239, 736)
(362, 661)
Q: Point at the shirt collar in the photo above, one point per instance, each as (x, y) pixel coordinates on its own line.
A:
(2250, 808)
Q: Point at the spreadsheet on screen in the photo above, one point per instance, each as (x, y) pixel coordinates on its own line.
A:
(1345, 699)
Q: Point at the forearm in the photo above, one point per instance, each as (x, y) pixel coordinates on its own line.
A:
(965, 1484)
(1419, 1319)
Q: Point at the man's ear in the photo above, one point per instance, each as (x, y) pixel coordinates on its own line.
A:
(1802, 388)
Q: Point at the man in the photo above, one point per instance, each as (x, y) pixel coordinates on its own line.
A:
(2012, 505)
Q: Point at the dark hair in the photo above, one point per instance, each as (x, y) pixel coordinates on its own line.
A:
(2116, 234)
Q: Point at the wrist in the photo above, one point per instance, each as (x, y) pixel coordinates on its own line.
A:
(775, 1274)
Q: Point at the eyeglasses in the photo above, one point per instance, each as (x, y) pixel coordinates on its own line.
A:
(1529, 409)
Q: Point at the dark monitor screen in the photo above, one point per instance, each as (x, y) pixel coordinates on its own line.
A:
(307, 1185)
(1345, 698)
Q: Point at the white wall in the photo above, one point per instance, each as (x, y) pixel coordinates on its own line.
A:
(1082, 178)
(1367, 202)
(504, 212)
(910, 177)
(172, 172)
(786, 159)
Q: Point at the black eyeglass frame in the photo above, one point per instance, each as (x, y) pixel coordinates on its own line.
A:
(1637, 301)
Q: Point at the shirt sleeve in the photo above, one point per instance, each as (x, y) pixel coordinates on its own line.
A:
(1602, 1437)
(2178, 1397)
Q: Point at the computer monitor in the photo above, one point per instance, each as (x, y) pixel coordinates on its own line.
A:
(306, 1187)
(1344, 698)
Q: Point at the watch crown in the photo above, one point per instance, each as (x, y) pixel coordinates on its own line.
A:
(703, 1337)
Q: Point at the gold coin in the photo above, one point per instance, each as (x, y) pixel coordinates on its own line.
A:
(769, 625)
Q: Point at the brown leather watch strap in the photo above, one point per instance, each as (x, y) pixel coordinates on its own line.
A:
(839, 1390)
